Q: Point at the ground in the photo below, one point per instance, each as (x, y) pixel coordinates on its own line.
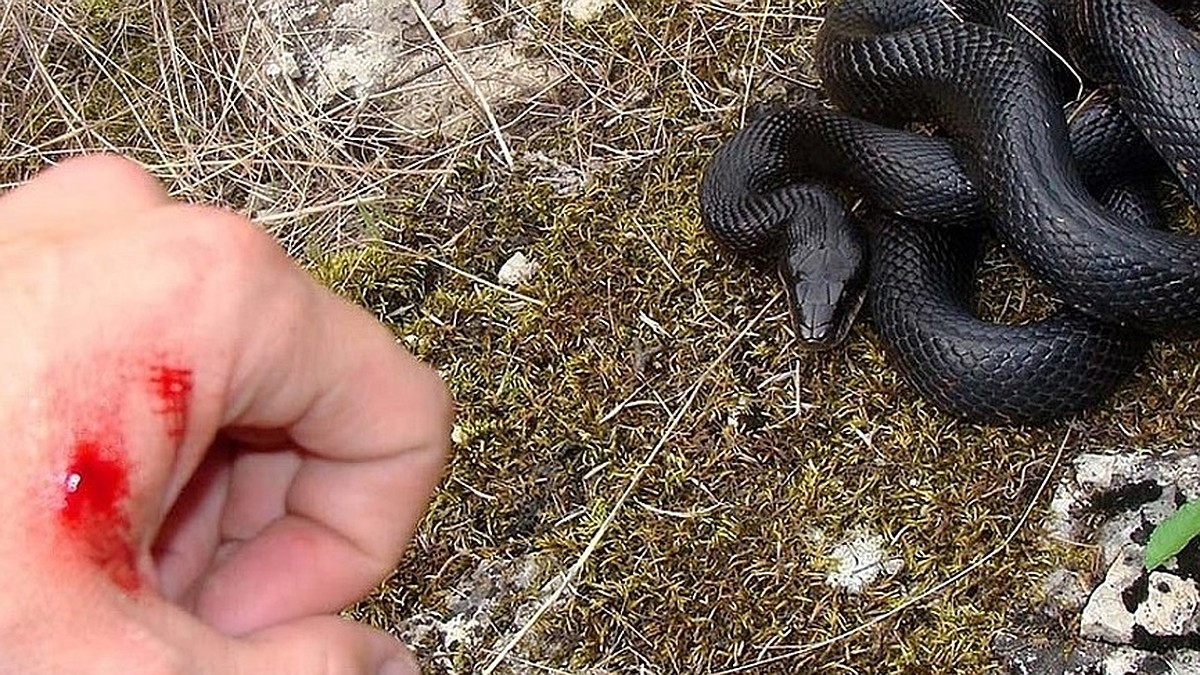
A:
(647, 475)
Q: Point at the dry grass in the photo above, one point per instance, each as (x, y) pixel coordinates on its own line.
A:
(647, 476)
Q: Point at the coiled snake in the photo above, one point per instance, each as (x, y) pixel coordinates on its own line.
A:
(1072, 203)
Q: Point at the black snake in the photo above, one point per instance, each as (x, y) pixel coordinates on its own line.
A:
(1073, 203)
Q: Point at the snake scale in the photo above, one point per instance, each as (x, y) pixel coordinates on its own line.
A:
(1074, 202)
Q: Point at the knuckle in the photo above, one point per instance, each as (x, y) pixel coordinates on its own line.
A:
(220, 242)
(118, 173)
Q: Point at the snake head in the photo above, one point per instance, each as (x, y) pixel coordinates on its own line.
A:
(825, 286)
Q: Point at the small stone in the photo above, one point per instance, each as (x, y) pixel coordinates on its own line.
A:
(286, 65)
(585, 10)
(566, 179)
(517, 270)
(861, 560)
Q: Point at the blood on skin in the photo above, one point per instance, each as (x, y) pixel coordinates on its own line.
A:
(95, 506)
(173, 388)
(94, 512)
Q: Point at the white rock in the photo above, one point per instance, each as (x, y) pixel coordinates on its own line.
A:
(585, 10)
(1170, 606)
(1105, 616)
(1073, 517)
(1113, 535)
(1187, 475)
(1101, 472)
(517, 270)
(1108, 502)
(1063, 525)
(378, 52)
(286, 65)
(861, 560)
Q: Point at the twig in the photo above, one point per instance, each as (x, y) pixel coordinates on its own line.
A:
(1052, 50)
(466, 81)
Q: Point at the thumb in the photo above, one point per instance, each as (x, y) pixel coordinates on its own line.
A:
(325, 645)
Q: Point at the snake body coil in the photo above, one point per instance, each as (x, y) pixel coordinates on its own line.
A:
(1008, 160)
(1000, 108)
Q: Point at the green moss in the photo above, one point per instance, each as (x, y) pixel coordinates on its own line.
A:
(393, 286)
(100, 10)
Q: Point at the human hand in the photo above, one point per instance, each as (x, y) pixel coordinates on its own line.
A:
(205, 454)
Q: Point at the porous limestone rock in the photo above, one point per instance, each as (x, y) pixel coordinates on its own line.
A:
(360, 56)
(1134, 621)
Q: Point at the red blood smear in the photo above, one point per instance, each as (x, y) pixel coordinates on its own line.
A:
(173, 389)
(95, 508)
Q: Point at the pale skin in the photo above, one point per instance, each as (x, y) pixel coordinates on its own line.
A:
(311, 445)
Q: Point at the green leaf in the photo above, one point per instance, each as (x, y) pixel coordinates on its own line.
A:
(1172, 534)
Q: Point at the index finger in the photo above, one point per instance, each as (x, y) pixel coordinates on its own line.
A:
(371, 422)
